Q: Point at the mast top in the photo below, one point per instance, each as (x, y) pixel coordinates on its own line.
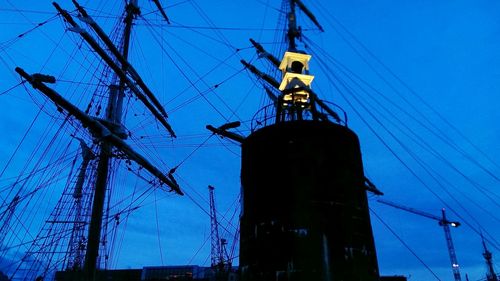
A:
(296, 81)
(295, 100)
(293, 32)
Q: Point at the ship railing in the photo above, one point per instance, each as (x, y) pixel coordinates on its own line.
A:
(268, 115)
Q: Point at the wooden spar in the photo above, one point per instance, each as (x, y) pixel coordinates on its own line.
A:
(294, 32)
(98, 130)
(261, 51)
(309, 14)
(95, 225)
(132, 10)
(127, 67)
(162, 11)
(224, 133)
(261, 74)
(122, 75)
(87, 156)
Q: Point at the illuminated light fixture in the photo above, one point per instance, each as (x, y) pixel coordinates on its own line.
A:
(295, 70)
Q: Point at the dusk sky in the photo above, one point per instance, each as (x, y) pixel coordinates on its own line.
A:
(418, 81)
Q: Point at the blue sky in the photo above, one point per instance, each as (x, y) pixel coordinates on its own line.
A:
(446, 53)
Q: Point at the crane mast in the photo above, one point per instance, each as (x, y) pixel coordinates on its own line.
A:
(451, 249)
(445, 223)
(218, 246)
(490, 274)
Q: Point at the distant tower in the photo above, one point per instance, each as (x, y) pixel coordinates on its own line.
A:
(490, 274)
(219, 258)
(305, 213)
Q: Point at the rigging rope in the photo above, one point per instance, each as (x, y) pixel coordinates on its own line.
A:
(409, 151)
(404, 244)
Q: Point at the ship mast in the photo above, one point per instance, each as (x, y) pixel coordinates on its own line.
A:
(293, 96)
(113, 115)
(109, 131)
(293, 32)
(296, 81)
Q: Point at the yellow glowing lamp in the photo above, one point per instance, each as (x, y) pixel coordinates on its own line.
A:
(295, 69)
(295, 62)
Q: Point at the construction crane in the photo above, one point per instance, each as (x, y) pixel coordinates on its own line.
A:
(219, 257)
(445, 223)
(490, 274)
